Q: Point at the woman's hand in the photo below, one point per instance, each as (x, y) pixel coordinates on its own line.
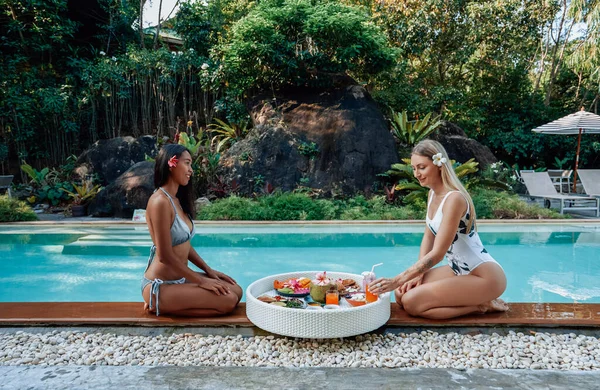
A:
(414, 282)
(216, 286)
(220, 276)
(383, 285)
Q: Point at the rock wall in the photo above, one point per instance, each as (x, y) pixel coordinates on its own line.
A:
(352, 139)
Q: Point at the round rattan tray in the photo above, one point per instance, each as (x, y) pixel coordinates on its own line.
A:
(343, 322)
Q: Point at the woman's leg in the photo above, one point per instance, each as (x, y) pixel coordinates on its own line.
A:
(235, 288)
(453, 297)
(432, 275)
(189, 299)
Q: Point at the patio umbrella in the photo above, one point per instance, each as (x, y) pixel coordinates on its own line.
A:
(581, 122)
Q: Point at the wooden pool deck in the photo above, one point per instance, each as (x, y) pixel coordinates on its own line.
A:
(132, 314)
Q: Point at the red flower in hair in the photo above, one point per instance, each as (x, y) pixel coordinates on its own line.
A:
(173, 162)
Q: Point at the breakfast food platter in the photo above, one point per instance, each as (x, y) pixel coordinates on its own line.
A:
(282, 305)
(296, 293)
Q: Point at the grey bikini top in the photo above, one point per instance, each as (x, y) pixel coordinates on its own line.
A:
(180, 232)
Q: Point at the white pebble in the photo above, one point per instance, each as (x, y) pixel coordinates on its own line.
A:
(424, 349)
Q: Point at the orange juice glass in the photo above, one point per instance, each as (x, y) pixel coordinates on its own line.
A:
(369, 296)
(332, 297)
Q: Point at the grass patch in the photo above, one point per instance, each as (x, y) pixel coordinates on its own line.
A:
(13, 210)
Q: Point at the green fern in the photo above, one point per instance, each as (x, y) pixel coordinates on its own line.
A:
(229, 133)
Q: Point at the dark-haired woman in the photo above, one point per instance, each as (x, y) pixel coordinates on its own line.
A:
(169, 285)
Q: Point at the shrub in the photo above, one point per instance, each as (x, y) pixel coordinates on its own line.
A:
(13, 210)
(289, 206)
(301, 207)
(376, 208)
(502, 205)
(295, 207)
(303, 43)
(233, 208)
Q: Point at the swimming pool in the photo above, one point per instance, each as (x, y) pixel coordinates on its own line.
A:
(79, 263)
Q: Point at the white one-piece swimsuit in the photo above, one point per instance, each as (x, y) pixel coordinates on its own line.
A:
(466, 251)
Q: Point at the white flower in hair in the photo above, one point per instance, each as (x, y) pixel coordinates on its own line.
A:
(438, 159)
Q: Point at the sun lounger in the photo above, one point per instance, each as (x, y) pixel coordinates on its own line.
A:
(590, 180)
(561, 177)
(5, 182)
(518, 173)
(539, 185)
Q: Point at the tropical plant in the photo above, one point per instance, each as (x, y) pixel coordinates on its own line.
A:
(37, 177)
(501, 172)
(470, 182)
(560, 163)
(84, 192)
(44, 185)
(402, 173)
(190, 142)
(229, 132)
(407, 184)
(411, 132)
(54, 193)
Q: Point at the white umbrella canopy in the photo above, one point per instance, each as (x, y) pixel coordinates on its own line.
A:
(581, 122)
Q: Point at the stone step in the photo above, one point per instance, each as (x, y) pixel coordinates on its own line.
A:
(117, 238)
(109, 247)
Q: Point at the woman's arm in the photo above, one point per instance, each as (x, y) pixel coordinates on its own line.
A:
(195, 258)
(428, 237)
(198, 261)
(426, 247)
(426, 242)
(454, 208)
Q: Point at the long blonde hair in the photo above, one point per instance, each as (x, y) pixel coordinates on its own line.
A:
(428, 148)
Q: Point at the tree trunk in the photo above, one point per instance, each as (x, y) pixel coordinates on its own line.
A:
(556, 57)
(142, 24)
(158, 25)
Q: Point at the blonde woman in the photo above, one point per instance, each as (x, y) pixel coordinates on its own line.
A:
(472, 281)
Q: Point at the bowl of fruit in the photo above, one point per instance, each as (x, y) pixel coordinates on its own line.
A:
(293, 288)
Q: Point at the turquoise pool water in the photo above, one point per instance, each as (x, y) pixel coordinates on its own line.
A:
(544, 263)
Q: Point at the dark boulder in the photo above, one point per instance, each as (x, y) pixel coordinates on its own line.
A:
(352, 143)
(130, 191)
(460, 147)
(109, 158)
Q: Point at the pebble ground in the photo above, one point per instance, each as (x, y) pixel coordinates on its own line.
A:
(425, 349)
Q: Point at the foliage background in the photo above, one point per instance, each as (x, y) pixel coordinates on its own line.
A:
(78, 71)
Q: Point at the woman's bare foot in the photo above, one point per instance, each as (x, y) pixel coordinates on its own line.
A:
(493, 305)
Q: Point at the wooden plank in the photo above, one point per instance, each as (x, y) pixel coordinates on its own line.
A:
(133, 314)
